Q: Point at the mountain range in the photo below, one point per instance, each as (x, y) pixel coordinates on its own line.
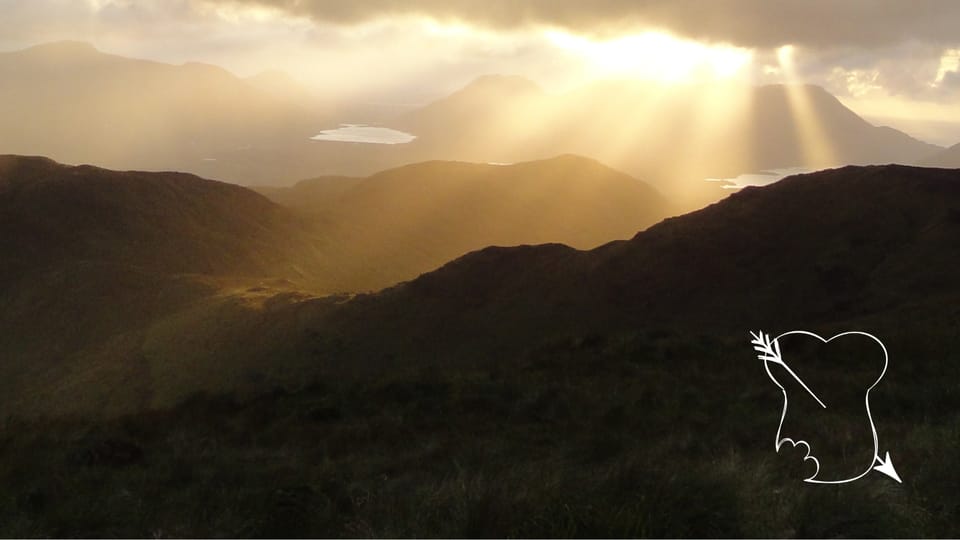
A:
(949, 158)
(399, 223)
(673, 138)
(74, 103)
(256, 131)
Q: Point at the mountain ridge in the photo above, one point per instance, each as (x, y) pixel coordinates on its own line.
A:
(948, 158)
(672, 275)
(73, 103)
(434, 211)
(207, 121)
(108, 271)
(672, 137)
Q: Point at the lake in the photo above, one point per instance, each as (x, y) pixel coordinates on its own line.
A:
(362, 133)
(762, 178)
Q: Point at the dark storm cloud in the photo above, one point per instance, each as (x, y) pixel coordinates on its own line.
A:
(755, 23)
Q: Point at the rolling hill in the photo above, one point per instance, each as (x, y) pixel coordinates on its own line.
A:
(527, 391)
(864, 246)
(399, 223)
(56, 216)
(104, 272)
(92, 259)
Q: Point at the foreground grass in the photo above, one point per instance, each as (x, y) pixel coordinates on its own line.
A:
(599, 436)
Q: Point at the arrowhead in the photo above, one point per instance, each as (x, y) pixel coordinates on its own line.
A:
(886, 467)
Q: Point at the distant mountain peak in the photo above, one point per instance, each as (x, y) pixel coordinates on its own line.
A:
(272, 75)
(64, 47)
(505, 83)
(205, 68)
(280, 83)
(947, 159)
(814, 90)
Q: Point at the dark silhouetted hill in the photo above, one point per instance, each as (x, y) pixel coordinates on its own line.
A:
(864, 246)
(104, 271)
(91, 260)
(55, 216)
(525, 391)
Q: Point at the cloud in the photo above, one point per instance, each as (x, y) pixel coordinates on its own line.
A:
(858, 49)
(913, 70)
(951, 84)
(752, 23)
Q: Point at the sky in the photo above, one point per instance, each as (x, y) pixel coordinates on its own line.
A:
(896, 62)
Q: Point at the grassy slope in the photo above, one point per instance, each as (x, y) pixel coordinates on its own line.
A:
(94, 262)
(542, 391)
(127, 290)
(639, 435)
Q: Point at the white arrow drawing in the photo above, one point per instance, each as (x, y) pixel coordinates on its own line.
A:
(768, 350)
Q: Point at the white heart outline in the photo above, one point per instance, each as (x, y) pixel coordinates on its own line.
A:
(778, 442)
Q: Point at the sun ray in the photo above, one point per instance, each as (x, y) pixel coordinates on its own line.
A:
(815, 144)
(714, 136)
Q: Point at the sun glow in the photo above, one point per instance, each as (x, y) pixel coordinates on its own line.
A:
(656, 56)
(949, 62)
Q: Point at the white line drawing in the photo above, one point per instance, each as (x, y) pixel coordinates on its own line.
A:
(768, 350)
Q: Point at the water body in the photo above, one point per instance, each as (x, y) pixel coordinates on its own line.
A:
(362, 133)
(762, 178)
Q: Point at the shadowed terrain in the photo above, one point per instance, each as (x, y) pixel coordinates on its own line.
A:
(93, 259)
(527, 391)
(120, 280)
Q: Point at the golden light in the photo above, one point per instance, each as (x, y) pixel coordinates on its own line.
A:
(949, 62)
(785, 58)
(656, 56)
(817, 149)
(238, 15)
